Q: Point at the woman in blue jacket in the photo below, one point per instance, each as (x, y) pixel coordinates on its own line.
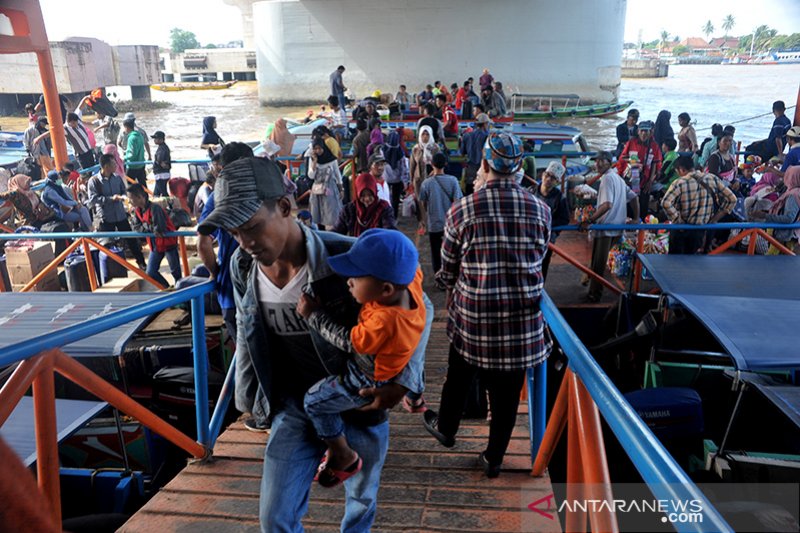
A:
(57, 198)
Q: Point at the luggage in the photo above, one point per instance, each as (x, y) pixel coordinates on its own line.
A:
(109, 268)
(77, 272)
(173, 395)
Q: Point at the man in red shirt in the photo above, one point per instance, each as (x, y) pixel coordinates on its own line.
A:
(645, 163)
(449, 118)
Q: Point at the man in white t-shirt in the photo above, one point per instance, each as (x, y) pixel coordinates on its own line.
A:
(612, 202)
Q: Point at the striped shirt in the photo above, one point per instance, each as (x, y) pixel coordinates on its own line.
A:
(77, 136)
(688, 202)
(494, 243)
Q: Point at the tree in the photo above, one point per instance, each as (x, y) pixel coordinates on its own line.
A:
(664, 37)
(728, 24)
(763, 38)
(708, 29)
(680, 50)
(182, 40)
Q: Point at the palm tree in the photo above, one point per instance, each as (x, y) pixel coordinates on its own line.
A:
(664, 37)
(708, 29)
(728, 24)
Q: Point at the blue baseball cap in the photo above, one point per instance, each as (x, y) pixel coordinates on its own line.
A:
(646, 125)
(503, 152)
(385, 254)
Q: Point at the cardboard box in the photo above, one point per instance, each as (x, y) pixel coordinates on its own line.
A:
(126, 285)
(24, 264)
(40, 254)
(48, 284)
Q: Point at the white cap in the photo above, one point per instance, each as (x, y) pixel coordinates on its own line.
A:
(556, 169)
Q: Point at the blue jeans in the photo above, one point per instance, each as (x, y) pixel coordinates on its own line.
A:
(154, 263)
(342, 100)
(291, 459)
(329, 397)
(81, 216)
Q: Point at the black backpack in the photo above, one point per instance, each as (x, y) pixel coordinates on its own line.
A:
(30, 168)
(466, 110)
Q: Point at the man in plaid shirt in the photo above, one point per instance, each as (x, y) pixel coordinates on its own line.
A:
(494, 244)
(694, 198)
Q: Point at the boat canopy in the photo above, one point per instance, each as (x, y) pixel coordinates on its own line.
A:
(750, 304)
(26, 316)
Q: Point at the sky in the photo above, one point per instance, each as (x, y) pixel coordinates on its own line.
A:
(213, 21)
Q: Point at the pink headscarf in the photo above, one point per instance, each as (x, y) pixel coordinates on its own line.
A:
(767, 180)
(792, 181)
(282, 137)
(112, 149)
(22, 183)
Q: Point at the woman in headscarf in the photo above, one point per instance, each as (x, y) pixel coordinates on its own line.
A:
(282, 137)
(396, 170)
(367, 211)
(376, 138)
(786, 209)
(27, 204)
(325, 202)
(211, 140)
(112, 149)
(66, 208)
(662, 129)
(420, 167)
(687, 137)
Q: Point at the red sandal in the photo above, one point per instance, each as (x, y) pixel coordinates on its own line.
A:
(330, 478)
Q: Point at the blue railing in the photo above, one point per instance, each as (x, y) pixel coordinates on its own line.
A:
(665, 478)
(207, 430)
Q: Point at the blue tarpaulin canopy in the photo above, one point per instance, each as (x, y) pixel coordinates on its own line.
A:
(25, 316)
(750, 304)
(19, 429)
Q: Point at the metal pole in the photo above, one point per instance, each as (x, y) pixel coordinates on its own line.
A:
(44, 408)
(539, 394)
(87, 253)
(184, 259)
(16, 386)
(555, 428)
(79, 374)
(200, 368)
(222, 404)
(797, 109)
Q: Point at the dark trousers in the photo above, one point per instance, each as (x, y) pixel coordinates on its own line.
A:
(644, 204)
(686, 241)
(601, 245)
(86, 159)
(161, 188)
(546, 262)
(139, 175)
(397, 191)
(436, 249)
(133, 244)
(504, 389)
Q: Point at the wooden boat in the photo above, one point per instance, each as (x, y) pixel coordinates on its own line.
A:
(193, 86)
(527, 107)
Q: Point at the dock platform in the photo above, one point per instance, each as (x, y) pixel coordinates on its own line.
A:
(424, 487)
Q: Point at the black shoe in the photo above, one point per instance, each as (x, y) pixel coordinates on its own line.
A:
(257, 426)
(431, 421)
(491, 471)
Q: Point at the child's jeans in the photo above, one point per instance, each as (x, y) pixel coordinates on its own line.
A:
(329, 397)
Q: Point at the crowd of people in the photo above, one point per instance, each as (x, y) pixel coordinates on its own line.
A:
(320, 369)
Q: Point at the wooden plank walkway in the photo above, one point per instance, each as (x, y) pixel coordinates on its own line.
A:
(424, 486)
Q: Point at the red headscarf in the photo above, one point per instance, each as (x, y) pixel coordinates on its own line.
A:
(367, 217)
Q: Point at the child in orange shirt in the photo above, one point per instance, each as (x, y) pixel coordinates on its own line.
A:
(385, 278)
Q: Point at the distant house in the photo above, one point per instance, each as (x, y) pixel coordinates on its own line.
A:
(725, 44)
(699, 46)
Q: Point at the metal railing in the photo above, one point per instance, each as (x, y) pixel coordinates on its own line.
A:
(87, 240)
(585, 389)
(38, 358)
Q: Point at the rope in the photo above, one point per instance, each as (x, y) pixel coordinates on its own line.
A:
(747, 119)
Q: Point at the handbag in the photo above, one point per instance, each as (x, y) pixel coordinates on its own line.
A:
(319, 188)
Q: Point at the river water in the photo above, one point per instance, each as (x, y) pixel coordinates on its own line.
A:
(709, 93)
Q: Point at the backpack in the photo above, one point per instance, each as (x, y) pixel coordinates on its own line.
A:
(30, 168)
(179, 217)
(466, 110)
